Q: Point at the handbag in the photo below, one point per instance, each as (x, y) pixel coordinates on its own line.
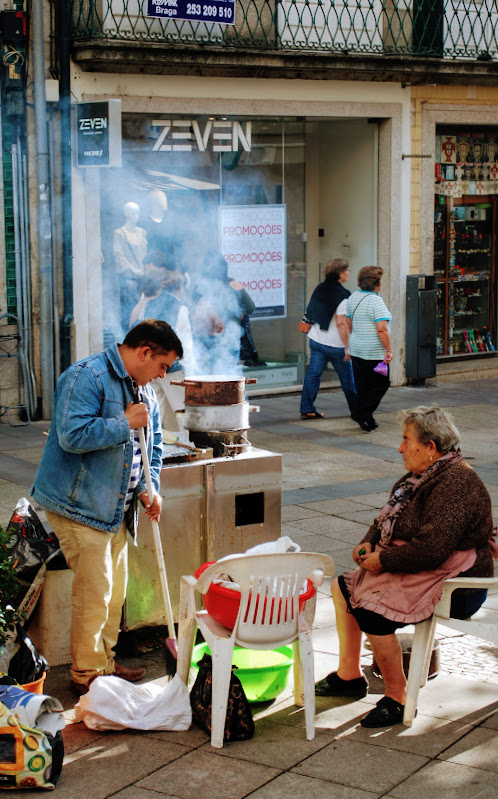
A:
(304, 327)
(31, 758)
(239, 724)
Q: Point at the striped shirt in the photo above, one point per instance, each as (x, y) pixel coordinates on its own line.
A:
(136, 466)
(365, 308)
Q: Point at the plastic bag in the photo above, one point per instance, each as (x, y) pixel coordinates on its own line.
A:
(280, 545)
(34, 710)
(114, 704)
(31, 547)
(26, 665)
(382, 368)
(31, 758)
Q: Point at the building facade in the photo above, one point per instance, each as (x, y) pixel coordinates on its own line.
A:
(300, 133)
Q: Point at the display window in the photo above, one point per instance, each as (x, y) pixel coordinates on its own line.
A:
(210, 209)
(465, 242)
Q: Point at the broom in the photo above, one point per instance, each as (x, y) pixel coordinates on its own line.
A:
(171, 642)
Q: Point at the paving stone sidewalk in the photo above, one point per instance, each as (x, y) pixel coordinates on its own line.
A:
(335, 477)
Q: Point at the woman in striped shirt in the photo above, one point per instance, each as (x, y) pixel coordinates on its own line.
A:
(369, 321)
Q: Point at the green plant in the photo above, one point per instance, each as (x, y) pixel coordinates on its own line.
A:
(9, 616)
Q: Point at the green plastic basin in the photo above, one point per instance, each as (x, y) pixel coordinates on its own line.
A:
(264, 673)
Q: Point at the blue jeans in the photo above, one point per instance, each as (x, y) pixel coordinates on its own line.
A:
(319, 357)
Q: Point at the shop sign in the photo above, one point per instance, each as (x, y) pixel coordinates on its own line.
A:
(220, 11)
(98, 133)
(253, 240)
(221, 135)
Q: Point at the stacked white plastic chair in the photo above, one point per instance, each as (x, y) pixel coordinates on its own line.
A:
(268, 618)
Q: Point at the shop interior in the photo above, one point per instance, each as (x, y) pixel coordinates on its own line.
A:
(465, 245)
(319, 178)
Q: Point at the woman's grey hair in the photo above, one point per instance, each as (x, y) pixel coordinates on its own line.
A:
(432, 423)
(336, 267)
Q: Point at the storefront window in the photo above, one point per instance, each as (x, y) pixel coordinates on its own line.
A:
(205, 186)
(465, 242)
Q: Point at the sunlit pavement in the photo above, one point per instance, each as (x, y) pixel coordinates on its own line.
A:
(335, 477)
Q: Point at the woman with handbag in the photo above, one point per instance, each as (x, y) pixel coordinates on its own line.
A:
(369, 322)
(326, 326)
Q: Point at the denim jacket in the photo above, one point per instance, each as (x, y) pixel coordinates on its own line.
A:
(85, 468)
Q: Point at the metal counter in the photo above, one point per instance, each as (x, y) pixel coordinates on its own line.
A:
(211, 508)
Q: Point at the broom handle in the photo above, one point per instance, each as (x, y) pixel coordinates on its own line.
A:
(157, 539)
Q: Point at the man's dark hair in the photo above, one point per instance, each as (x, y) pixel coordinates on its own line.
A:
(156, 334)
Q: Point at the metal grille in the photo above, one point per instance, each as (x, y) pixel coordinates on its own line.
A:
(454, 29)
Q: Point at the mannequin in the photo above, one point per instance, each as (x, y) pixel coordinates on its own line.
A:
(129, 248)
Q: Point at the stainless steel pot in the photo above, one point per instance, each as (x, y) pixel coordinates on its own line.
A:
(214, 389)
(218, 417)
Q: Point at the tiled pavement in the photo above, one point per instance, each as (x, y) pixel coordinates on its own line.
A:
(335, 477)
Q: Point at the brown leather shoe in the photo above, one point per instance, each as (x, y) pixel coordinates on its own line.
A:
(79, 688)
(130, 675)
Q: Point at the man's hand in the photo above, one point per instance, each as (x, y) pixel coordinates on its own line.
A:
(371, 563)
(361, 551)
(137, 415)
(152, 511)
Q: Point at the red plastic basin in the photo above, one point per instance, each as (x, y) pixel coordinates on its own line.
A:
(223, 603)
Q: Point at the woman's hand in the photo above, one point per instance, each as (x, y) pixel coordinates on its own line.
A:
(388, 356)
(360, 552)
(371, 563)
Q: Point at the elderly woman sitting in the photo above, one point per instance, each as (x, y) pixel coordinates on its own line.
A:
(436, 524)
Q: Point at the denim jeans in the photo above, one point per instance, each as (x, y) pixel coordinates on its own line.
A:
(319, 357)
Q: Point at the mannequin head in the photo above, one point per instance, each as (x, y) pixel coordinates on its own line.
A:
(158, 204)
(131, 212)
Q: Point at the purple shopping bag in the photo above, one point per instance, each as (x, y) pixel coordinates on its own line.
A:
(382, 368)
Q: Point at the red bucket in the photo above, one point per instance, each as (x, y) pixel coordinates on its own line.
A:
(223, 603)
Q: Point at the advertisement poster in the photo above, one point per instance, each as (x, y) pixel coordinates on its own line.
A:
(253, 240)
(220, 11)
(98, 133)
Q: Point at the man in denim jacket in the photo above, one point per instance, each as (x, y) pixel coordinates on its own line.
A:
(91, 476)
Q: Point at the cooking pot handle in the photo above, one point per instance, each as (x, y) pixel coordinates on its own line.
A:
(177, 382)
(251, 380)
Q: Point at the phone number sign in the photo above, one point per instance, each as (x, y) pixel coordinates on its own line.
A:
(220, 11)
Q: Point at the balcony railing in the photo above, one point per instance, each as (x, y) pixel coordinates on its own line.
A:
(454, 29)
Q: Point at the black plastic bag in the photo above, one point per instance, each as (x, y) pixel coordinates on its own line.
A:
(239, 724)
(31, 547)
(27, 665)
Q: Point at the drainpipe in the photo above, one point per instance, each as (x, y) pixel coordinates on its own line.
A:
(44, 216)
(64, 40)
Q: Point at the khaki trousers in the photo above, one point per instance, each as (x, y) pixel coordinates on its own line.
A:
(99, 561)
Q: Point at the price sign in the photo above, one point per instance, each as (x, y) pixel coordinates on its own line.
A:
(220, 11)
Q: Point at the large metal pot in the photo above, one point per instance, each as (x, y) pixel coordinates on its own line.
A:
(218, 417)
(214, 389)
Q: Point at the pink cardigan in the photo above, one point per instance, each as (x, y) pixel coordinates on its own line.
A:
(404, 596)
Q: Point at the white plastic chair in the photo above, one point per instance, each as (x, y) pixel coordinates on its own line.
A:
(483, 624)
(260, 624)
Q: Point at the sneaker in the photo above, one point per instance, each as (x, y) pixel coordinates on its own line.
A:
(385, 713)
(333, 685)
